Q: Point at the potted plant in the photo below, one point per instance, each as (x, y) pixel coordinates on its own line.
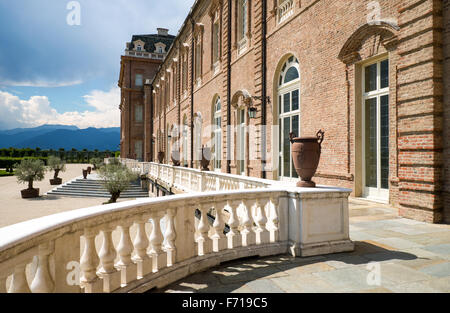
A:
(97, 163)
(116, 178)
(57, 165)
(89, 170)
(29, 171)
(306, 155)
(85, 174)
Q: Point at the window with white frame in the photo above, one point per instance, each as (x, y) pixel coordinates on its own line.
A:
(139, 80)
(376, 129)
(198, 58)
(241, 142)
(216, 41)
(288, 115)
(217, 135)
(242, 25)
(139, 113)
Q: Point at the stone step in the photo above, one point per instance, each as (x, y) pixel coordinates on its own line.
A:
(83, 187)
(93, 195)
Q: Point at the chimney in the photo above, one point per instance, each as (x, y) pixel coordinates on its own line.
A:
(163, 31)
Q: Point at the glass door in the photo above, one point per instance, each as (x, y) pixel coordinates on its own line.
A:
(289, 122)
(376, 130)
(241, 142)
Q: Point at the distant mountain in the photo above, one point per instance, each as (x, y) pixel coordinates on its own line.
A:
(61, 136)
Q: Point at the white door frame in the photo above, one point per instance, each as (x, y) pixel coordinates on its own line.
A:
(377, 194)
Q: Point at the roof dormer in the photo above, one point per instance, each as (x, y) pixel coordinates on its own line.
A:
(139, 45)
(160, 47)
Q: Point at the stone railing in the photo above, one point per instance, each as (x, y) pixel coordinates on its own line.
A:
(285, 10)
(183, 179)
(138, 245)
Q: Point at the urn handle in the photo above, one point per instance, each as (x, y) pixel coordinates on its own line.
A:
(291, 137)
(320, 136)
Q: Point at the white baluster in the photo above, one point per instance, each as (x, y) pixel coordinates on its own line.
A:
(170, 236)
(141, 243)
(89, 262)
(43, 282)
(247, 233)
(219, 239)
(128, 269)
(19, 283)
(262, 234)
(156, 238)
(203, 241)
(109, 274)
(274, 227)
(234, 237)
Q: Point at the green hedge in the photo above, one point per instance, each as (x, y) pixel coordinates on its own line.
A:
(5, 173)
(8, 163)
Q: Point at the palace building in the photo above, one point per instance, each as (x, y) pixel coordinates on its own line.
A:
(241, 75)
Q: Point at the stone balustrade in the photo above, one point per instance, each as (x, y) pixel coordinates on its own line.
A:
(137, 245)
(183, 179)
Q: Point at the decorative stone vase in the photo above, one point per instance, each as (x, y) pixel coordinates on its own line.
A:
(306, 155)
(175, 156)
(30, 193)
(89, 169)
(161, 156)
(85, 174)
(206, 158)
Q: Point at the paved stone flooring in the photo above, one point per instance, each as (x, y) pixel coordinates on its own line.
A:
(409, 256)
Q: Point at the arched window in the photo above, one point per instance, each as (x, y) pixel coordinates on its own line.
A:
(288, 114)
(217, 134)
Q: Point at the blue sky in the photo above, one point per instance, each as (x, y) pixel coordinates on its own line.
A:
(52, 72)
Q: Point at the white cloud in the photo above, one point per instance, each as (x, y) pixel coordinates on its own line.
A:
(41, 83)
(37, 110)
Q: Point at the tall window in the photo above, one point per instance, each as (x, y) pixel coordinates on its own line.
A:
(242, 19)
(376, 129)
(241, 133)
(138, 81)
(289, 114)
(217, 135)
(174, 83)
(198, 58)
(185, 71)
(138, 113)
(138, 150)
(216, 41)
(185, 142)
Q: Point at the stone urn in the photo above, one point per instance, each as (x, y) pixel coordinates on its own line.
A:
(30, 193)
(85, 174)
(175, 156)
(306, 155)
(89, 169)
(206, 158)
(160, 156)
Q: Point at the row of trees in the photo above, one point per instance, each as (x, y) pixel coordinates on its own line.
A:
(70, 156)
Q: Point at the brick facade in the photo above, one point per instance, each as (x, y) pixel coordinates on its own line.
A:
(333, 42)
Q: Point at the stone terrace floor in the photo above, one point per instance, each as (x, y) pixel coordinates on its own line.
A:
(412, 257)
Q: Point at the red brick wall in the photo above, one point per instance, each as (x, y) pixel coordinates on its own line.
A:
(332, 40)
(446, 193)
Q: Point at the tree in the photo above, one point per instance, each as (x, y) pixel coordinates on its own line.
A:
(97, 162)
(116, 179)
(29, 171)
(57, 165)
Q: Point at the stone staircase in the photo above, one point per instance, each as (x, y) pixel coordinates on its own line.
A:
(93, 188)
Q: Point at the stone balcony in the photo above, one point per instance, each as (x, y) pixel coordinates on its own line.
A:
(137, 245)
